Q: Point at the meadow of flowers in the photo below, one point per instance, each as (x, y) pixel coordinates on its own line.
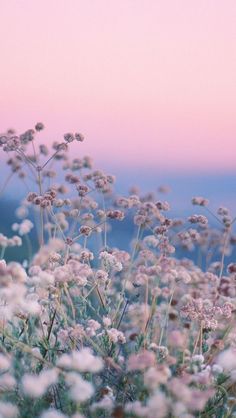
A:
(90, 330)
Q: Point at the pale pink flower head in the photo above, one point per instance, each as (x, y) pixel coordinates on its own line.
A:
(200, 201)
(106, 321)
(36, 385)
(82, 361)
(176, 338)
(227, 359)
(5, 362)
(79, 137)
(53, 413)
(3, 266)
(157, 406)
(141, 361)
(115, 336)
(80, 389)
(8, 410)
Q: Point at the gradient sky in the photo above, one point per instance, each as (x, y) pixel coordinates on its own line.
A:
(150, 83)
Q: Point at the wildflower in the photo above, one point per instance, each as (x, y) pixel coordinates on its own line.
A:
(69, 137)
(217, 369)
(176, 339)
(93, 326)
(155, 376)
(39, 126)
(5, 362)
(53, 413)
(77, 415)
(101, 276)
(7, 382)
(85, 230)
(231, 268)
(116, 336)
(43, 149)
(82, 190)
(194, 219)
(116, 214)
(136, 408)
(82, 361)
(106, 321)
(86, 256)
(36, 385)
(227, 359)
(54, 257)
(79, 137)
(8, 410)
(3, 266)
(157, 405)
(141, 361)
(163, 205)
(200, 201)
(151, 241)
(22, 212)
(80, 389)
(106, 403)
(223, 211)
(109, 261)
(23, 228)
(198, 358)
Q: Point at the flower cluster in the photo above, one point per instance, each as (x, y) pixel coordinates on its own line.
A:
(89, 329)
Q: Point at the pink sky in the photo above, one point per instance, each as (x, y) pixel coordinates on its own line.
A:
(148, 82)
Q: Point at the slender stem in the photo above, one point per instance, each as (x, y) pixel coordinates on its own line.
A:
(56, 222)
(105, 222)
(196, 342)
(123, 313)
(2, 252)
(6, 183)
(34, 151)
(200, 348)
(22, 154)
(227, 233)
(52, 156)
(29, 247)
(212, 214)
(165, 327)
(92, 229)
(146, 305)
(41, 210)
(128, 273)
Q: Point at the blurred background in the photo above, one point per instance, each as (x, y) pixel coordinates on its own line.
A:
(150, 84)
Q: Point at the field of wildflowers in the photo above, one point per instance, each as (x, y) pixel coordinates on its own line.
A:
(89, 330)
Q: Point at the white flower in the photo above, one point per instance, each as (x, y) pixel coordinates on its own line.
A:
(83, 361)
(36, 385)
(78, 415)
(115, 336)
(151, 241)
(198, 358)
(5, 363)
(110, 261)
(3, 265)
(217, 369)
(80, 389)
(227, 359)
(105, 403)
(24, 227)
(7, 382)
(106, 321)
(7, 410)
(53, 413)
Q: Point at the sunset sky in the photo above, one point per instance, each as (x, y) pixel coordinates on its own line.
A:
(150, 83)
